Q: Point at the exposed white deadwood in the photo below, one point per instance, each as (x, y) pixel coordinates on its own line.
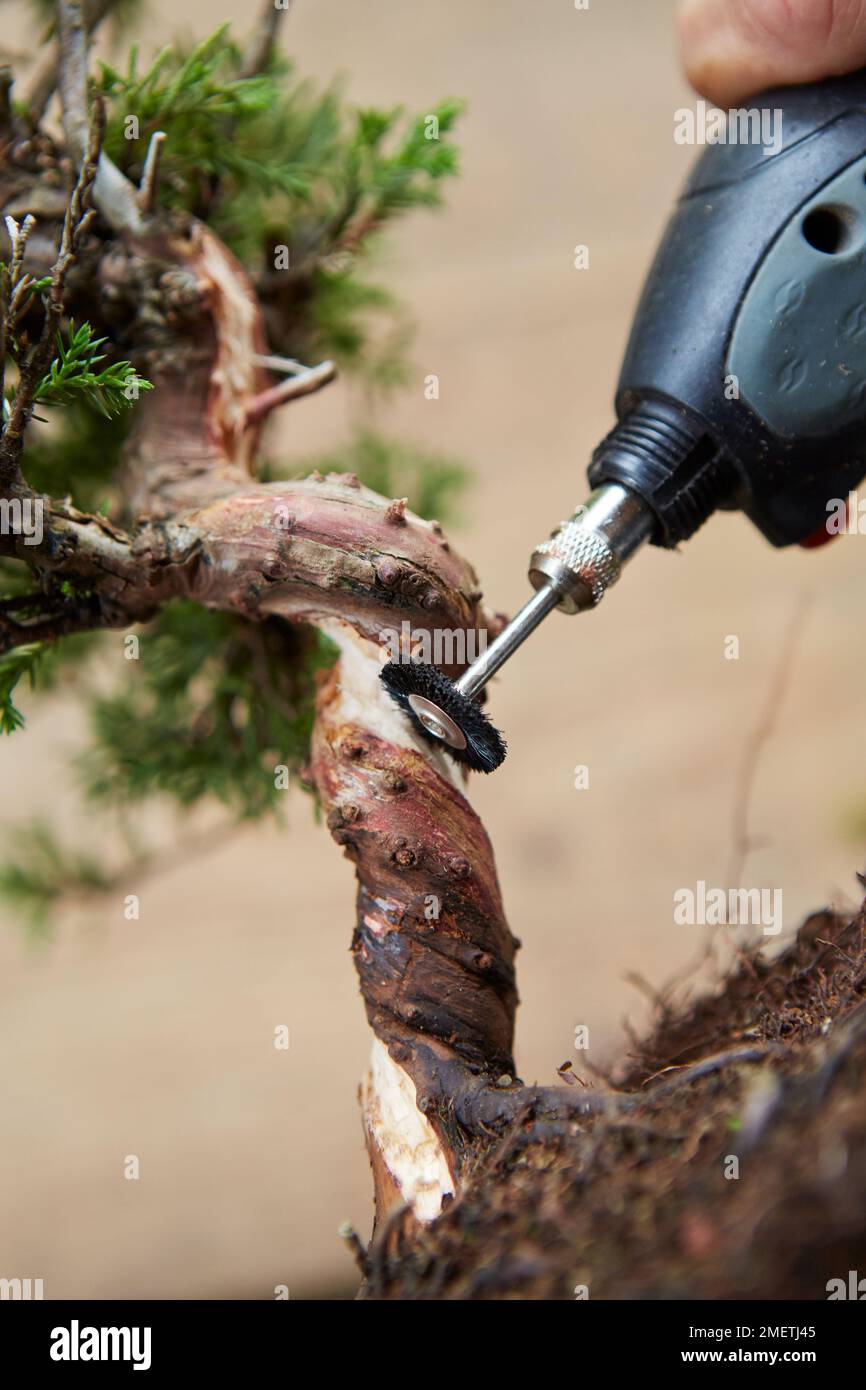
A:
(234, 377)
(396, 1128)
(362, 699)
(147, 188)
(403, 1136)
(287, 366)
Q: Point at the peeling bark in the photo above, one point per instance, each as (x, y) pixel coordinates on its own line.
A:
(434, 954)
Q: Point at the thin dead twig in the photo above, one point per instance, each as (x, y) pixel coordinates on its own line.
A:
(113, 194)
(303, 384)
(45, 82)
(263, 38)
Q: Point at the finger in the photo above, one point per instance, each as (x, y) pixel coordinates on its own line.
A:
(734, 48)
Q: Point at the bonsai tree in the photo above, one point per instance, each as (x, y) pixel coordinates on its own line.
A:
(189, 257)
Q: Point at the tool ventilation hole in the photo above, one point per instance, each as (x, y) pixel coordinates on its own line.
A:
(827, 230)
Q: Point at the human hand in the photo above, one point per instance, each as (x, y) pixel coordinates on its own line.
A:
(734, 48)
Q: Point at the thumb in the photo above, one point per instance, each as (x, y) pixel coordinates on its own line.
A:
(734, 48)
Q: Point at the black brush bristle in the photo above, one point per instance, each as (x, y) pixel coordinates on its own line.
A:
(485, 747)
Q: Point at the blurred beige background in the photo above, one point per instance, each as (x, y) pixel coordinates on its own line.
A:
(156, 1037)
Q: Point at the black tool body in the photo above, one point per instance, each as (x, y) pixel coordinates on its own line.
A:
(744, 380)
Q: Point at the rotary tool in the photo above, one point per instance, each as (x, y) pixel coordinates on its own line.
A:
(743, 385)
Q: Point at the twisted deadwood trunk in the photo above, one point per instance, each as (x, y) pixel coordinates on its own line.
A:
(619, 1186)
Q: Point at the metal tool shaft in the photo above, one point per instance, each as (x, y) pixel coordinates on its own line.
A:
(572, 571)
(510, 638)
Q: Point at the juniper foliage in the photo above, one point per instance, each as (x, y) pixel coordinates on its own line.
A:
(273, 165)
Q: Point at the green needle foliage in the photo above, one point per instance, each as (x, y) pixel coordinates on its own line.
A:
(21, 662)
(281, 170)
(42, 664)
(215, 706)
(196, 98)
(327, 164)
(75, 373)
(43, 874)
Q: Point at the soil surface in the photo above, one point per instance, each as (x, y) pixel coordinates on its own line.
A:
(731, 1162)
